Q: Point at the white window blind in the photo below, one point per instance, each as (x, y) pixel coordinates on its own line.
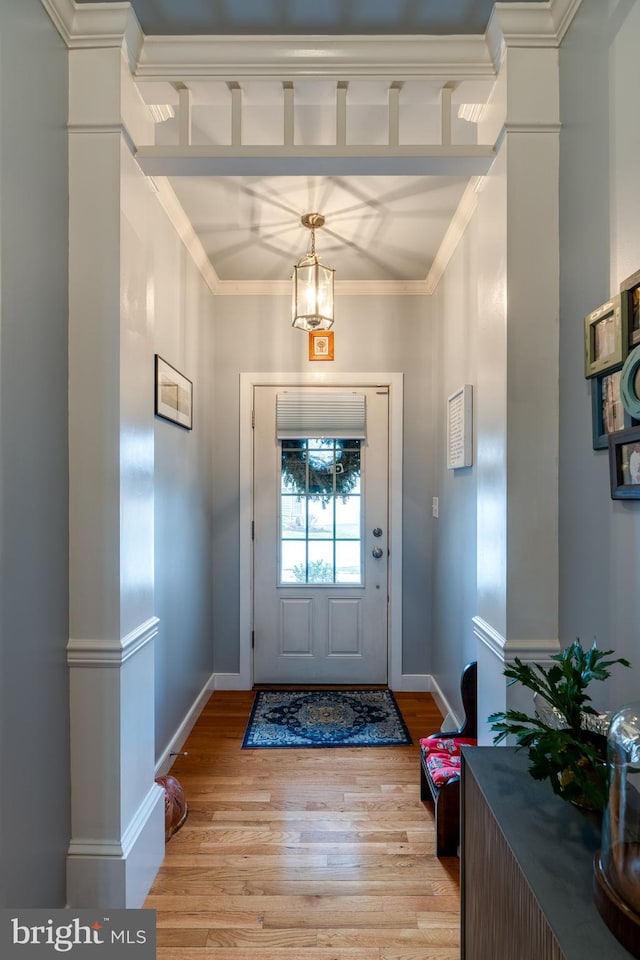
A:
(317, 415)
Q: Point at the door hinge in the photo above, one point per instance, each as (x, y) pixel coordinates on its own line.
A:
(253, 419)
(253, 639)
(253, 529)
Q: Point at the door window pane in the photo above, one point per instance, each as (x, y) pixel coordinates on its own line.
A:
(320, 512)
(320, 565)
(348, 561)
(321, 521)
(348, 518)
(293, 518)
(293, 558)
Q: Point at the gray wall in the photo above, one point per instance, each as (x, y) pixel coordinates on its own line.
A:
(454, 363)
(34, 816)
(599, 247)
(183, 490)
(391, 334)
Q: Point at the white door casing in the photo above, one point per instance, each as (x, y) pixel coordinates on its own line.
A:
(320, 632)
(243, 680)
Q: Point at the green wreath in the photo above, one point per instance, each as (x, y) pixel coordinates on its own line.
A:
(321, 476)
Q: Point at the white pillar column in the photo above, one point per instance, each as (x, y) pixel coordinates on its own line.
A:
(117, 810)
(517, 408)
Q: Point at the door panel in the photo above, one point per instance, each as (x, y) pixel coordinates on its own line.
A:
(320, 591)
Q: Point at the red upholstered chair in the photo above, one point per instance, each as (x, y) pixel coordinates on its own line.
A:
(440, 766)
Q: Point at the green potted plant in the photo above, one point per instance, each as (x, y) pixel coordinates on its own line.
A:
(566, 737)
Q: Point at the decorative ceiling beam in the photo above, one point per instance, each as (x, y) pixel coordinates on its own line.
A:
(171, 58)
(273, 161)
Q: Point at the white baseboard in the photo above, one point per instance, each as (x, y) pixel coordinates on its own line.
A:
(453, 723)
(119, 873)
(166, 760)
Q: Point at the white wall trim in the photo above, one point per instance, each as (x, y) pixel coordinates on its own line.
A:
(454, 233)
(530, 651)
(111, 653)
(177, 741)
(395, 383)
(87, 847)
(563, 12)
(97, 25)
(456, 57)
(343, 288)
(537, 128)
(184, 228)
(528, 25)
(444, 706)
(173, 58)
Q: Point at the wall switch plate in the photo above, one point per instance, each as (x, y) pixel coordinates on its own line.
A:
(435, 507)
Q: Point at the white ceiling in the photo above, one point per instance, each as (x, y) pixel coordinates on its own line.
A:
(377, 227)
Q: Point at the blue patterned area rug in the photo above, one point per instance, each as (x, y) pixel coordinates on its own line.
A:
(325, 718)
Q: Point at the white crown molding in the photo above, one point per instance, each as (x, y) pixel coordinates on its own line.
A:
(528, 25)
(343, 288)
(563, 12)
(459, 222)
(184, 228)
(111, 653)
(530, 651)
(97, 25)
(454, 57)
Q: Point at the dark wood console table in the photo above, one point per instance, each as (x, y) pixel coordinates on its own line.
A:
(526, 867)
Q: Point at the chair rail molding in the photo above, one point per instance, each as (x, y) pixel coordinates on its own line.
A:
(111, 653)
(531, 651)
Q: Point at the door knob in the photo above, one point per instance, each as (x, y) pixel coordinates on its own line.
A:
(376, 552)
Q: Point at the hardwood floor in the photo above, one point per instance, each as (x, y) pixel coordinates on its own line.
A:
(317, 854)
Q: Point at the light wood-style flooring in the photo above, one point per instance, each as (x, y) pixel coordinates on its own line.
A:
(316, 854)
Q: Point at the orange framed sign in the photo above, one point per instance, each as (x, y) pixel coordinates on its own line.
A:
(321, 345)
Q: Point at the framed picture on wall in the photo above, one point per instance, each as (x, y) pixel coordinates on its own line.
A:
(321, 345)
(630, 384)
(173, 395)
(630, 294)
(624, 464)
(605, 341)
(608, 414)
(460, 428)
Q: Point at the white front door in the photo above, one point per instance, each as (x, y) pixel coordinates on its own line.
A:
(320, 552)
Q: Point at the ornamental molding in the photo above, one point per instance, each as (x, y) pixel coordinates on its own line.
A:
(528, 25)
(459, 223)
(97, 25)
(402, 57)
(111, 653)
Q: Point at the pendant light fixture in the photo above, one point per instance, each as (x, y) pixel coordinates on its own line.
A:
(312, 305)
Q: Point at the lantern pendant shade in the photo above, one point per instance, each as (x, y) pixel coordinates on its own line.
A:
(312, 305)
